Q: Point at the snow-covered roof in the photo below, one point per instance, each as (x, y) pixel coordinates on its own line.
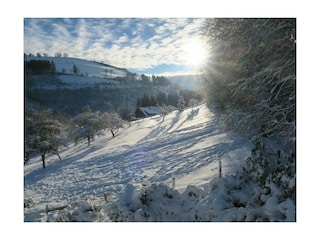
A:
(150, 111)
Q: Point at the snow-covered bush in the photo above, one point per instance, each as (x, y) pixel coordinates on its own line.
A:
(224, 199)
(28, 203)
(181, 103)
(263, 190)
(156, 202)
(274, 177)
(81, 211)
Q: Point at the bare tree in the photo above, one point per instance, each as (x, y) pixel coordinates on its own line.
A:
(165, 110)
(44, 134)
(113, 122)
(85, 125)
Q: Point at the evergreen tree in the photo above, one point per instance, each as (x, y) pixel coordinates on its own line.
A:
(153, 101)
(173, 99)
(75, 69)
(137, 112)
(145, 100)
(161, 98)
(145, 79)
(52, 67)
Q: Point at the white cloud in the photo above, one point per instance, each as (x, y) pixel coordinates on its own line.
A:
(110, 40)
(60, 31)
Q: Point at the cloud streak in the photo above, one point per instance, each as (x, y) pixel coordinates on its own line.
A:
(139, 44)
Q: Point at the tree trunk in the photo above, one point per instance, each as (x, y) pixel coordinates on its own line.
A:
(113, 134)
(88, 137)
(43, 158)
(58, 155)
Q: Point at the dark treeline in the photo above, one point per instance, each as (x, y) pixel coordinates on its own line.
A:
(155, 80)
(71, 101)
(40, 66)
(163, 99)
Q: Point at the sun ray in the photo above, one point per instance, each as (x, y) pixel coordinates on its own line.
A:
(196, 52)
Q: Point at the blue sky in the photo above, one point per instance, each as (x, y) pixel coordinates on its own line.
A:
(142, 45)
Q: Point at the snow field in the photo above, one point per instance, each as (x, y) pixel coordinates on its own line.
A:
(136, 170)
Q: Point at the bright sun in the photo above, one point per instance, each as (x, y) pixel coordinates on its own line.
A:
(196, 52)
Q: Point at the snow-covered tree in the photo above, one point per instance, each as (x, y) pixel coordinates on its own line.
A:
(165, 110)
(251, 76)
(43, 134)
(85, 125)
(113, 122)
(75, 70)
(193, 103)
(181, 103)
(250, 81)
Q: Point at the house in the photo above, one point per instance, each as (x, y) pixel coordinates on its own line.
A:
(149, 111)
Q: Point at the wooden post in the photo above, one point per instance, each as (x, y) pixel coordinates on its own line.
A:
(173, 182)
(105, 195)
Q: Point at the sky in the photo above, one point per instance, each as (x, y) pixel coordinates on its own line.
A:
(143, 45)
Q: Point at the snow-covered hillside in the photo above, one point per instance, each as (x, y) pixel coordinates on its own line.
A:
(85, 67)
(182, 150)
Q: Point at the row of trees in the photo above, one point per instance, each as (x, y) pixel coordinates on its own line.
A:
(45, 66)
(155, 80)
(174, 99)
(45, 132)
(250, 79)
(40, 66)
(161, 98)
(58, 54)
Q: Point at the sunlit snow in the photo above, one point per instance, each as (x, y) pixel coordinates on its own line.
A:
(186, 146)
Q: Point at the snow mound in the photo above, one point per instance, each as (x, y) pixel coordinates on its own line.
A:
(221, 200)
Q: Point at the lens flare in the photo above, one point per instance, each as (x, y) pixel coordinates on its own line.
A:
(196, 52)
